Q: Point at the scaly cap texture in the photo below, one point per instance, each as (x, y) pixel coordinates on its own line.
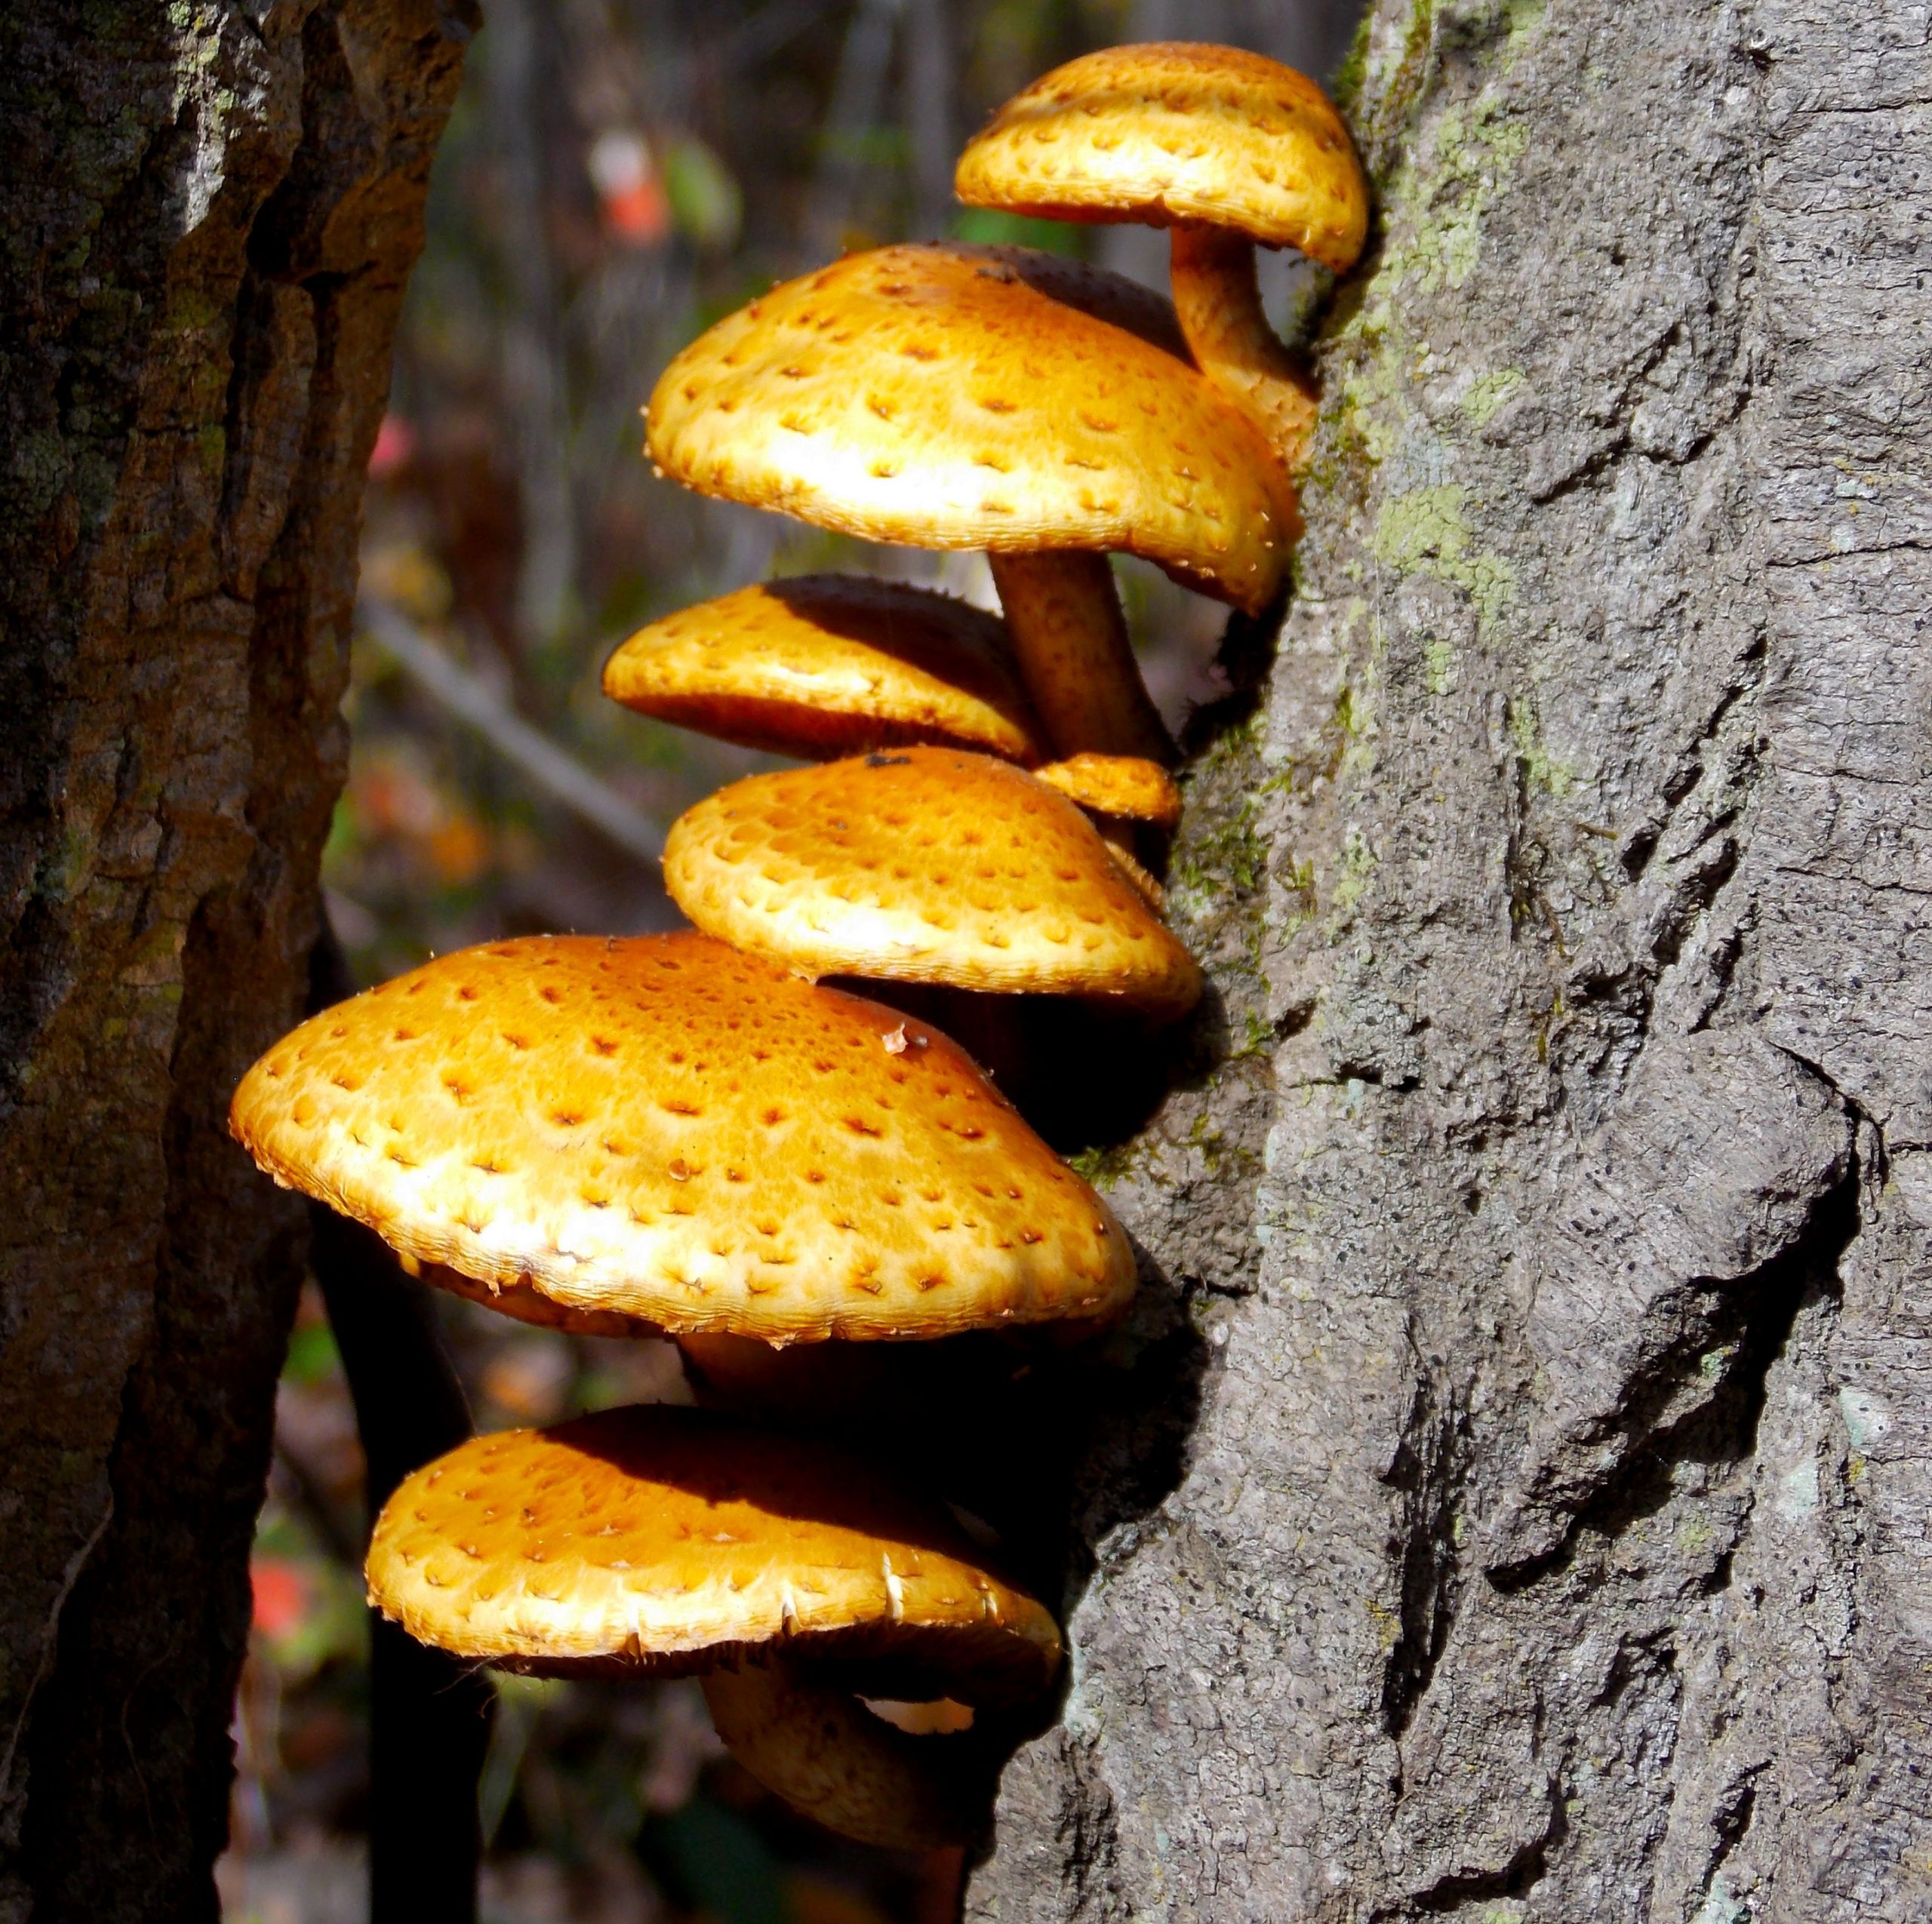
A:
(1176, 131)
(822, 666)
(928, 865)
(671, 1540)
(933, 395)
(670, 1130)
(1125, 786)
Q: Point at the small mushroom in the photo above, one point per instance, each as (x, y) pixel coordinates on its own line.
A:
(1123, 787)
(1224, 147)
(790, 1575)
(665, 1129)
(948, 397)
(927, 865)
(823, 665)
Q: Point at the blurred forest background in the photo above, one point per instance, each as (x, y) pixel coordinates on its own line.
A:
(619, 174)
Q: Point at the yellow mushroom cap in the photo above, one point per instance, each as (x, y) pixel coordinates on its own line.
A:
(666, 1129)
(929, 865)
(933, 395)
(831, 665)
(1128, 786)
(1177, 132)
(675, 1540)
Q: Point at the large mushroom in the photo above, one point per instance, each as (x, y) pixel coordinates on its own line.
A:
(950, 397)
(667, 1131)
(927, 865)
(791, 1576)
(1226, 149)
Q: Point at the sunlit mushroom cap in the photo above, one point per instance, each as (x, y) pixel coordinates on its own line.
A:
(1172, 132)
(666, 1129)
(935, 395)
(927, 865)
(831, 665)
(1128, 786)
(671, 1541)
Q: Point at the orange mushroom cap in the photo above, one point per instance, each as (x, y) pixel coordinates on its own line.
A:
(786, 1573)
(665, 1129)
(822, 666)
(671, 1541)
(1135, 789)
(1174, 132)
(928, 865)
(933, 395)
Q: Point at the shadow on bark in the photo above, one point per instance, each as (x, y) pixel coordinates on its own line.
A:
(1689, 1413)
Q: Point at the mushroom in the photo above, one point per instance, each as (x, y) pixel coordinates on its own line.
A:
(824, 666)
(1226, 148)
(927, 865)
(949, 397)
(788, 1575)
(667, 1130)
(1124, 787)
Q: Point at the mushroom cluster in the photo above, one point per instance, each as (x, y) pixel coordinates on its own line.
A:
(695, 1135)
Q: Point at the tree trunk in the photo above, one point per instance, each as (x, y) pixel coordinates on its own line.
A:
(1518, 1505)
(206, 214)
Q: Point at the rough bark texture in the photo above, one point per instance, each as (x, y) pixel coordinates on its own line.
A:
(206, 214)
(1518, 1507)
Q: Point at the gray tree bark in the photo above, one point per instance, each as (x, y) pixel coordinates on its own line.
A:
(1517, 1504)
(206, 213)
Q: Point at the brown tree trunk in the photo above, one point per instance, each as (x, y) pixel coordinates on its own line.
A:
(1518, 1505)
(206, 214)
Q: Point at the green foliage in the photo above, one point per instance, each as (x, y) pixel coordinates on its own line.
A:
(718, 1862)
(986, 226)
(706, 201)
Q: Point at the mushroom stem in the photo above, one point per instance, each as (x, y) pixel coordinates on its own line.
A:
(1218, 302)
(1070, 636)
(825, 1754)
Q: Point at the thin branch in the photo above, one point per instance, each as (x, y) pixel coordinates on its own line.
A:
(526, 749)
(856, 95)
(429, 1714)
(927, 84)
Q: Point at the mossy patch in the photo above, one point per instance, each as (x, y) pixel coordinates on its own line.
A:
(1476, 149)
(1542, 770)
(1228, 852)
(1488, 395)
(1425, 532)
(1353, 868)
(1439, 658)
(1103, 1169)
